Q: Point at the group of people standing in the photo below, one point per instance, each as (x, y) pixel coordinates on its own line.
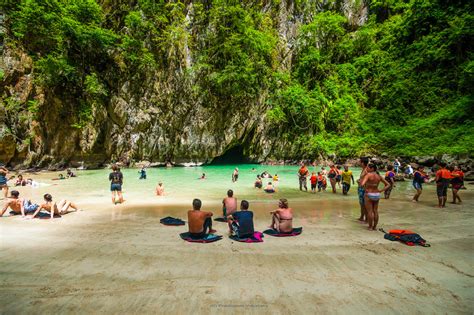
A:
(318, 180)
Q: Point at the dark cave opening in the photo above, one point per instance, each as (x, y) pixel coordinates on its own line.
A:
(234, 155)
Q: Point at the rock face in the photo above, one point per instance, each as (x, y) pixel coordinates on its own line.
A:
(157, 118)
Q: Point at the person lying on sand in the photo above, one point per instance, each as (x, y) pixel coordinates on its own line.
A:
(229, 204)
(199, 222)
(282, 218)
(53, 208)
(18, 205)
(371, 183)
(241, 222)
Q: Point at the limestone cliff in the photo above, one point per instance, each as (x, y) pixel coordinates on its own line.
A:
(156, 115)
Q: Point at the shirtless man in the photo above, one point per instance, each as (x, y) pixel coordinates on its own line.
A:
(229, 204)
(371, 183)
(282, 218)
(160, 189)
(361, 190)
(14, 203)
(235, 175)
(199, 222)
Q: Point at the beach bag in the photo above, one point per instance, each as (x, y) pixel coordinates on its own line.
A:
(407, 237)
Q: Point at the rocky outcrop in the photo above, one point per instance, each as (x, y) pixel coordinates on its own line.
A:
(157, 117)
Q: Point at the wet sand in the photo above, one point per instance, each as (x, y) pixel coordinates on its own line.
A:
(119, 259)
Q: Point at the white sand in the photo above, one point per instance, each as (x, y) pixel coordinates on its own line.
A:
(119, 259)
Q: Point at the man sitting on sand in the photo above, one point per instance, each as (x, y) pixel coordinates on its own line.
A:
(241, 222)
(18, 205)
(199, 222)
(229, 204)
(60, 208)
(282, 218)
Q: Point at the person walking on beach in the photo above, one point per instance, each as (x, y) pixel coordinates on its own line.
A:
(4, 180)
(346, 180)
(116, 182)
(371, 182)
(199, 222)
(361, 190)
(229, 204)
(235, 175)
(390, 178)
(443, 177)
(282, 218)
(457, 182)
(302, 174)
(419, 178)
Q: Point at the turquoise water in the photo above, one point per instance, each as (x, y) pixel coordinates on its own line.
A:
(182, 184)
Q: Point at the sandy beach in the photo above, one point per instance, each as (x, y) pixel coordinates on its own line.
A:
(119, 260)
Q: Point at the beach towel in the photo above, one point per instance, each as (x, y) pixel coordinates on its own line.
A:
(171, 221)
(208, 238)
(272, 232)
(405, 236)
(257, 237)
(220, 219)
(46, 216)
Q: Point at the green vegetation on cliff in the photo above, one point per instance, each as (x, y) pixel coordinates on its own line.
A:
(399, 83)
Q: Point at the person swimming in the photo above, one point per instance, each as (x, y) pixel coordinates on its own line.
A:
(258, 182)
(269, 188)
(282, 218)
(160, 189)
(203, 176)
(371, 182)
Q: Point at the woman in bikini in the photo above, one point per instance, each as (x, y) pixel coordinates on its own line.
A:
(54, 208)
(371, 183)
(282, 218)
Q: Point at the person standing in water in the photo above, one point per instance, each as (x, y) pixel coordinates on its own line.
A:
(361, 190)
(142, 173)
(313, 180)
(419, 178)
(338, 176)
(371, 183)
(235, 175)
(443, 177)
(302, 174)
(346, 180)
(390, 178)
(457, 182)
(229, 204)
(116, 182)
(332, 174)
(397, 165)
(160, 189)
